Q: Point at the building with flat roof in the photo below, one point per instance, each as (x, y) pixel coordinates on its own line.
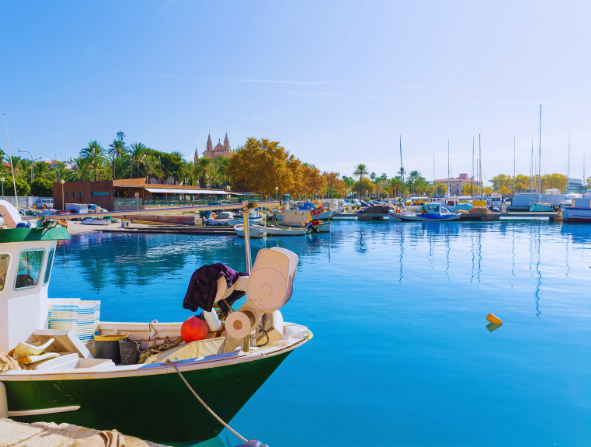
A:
(457, 184)
(119, 195)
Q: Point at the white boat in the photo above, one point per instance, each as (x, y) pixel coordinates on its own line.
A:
(65, 383)
(283, 231)
(254, 232)
(94, 221)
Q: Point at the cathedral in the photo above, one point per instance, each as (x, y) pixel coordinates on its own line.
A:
(214, 152)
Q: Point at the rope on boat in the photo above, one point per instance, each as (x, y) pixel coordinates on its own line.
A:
(204, 404)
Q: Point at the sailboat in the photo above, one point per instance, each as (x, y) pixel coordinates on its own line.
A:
(54, 377)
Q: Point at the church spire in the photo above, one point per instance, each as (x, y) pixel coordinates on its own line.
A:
(196, 157)
(226, 143)
(209, 145)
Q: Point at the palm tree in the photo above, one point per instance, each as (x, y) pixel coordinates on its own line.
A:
(60, 170)
(79, 172)
(202, 171)
(138, 152)
(401, 173)
(117, 149)
(42, 170)
(360, 171)
(220, 171)
(94, 156)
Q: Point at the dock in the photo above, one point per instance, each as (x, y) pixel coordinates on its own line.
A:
(49, 434)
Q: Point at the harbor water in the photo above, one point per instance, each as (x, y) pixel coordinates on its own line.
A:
(401, 354)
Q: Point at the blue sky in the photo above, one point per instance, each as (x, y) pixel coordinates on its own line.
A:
(335, 82)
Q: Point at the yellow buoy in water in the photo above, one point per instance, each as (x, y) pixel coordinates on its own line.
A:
(494, 319)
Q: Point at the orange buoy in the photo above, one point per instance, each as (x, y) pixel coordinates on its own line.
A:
(194, 329)
(494, 319)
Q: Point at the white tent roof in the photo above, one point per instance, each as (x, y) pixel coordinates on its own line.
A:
(184, 191)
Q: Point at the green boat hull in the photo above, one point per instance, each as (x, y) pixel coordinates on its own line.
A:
(157, 407)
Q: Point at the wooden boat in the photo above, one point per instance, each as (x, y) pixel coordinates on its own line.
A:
(255, 232)
(283, 231)
(431, 212)
(146, 400)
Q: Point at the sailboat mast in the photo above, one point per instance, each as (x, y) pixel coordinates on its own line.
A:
(480, 165)
(568, 165)
(472, 181)
(433, 181)
(448, 179)
(540, 157)
(401, 164)
(531, 167)
(513, 164)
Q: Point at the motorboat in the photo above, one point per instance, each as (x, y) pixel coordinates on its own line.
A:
(95, 221)
(431, 212)
(220, 219)
(49, 370)
(579, 212)
(283, 231)
(254, 231)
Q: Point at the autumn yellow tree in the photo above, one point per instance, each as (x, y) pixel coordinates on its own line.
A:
(335, 186)
(312, 182)
(364, 187)
(261, 166)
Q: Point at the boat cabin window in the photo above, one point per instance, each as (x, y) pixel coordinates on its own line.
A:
(49, 265)
(29, 267)
(4, 263)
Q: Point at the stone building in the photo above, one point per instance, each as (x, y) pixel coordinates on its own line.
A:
(456, 184)
(214, 152)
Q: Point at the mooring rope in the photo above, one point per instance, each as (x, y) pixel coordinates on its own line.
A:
(204, 404)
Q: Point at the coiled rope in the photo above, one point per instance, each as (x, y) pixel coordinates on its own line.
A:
(204, 404)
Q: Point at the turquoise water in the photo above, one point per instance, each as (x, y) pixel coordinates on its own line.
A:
(401, 355)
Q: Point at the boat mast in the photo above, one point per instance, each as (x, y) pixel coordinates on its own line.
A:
(568, 165)
(401, 164)
(531, 166)
(540, 159)
(433, 182)
(480, 165)
(448, 179)
(472, 180)
(10, 156)
(513, 164)
(584, 182)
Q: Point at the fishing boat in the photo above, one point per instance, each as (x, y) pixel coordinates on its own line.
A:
(431, 212)
(579, 212)
(221, 219)
(150, 400)
(282, 231)
(255, 232)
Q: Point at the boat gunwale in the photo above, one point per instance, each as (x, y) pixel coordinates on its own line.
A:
(140, 370)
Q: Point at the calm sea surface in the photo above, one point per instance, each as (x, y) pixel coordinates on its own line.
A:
(401, 355)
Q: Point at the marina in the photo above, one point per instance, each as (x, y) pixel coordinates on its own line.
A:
(431, 349)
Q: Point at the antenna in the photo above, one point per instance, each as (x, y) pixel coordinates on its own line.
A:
(11, 165)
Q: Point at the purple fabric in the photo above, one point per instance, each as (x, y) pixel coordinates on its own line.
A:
(203, 287)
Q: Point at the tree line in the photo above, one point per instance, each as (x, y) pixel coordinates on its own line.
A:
(260, 165)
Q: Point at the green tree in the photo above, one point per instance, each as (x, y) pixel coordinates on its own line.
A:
(22, 187)
(42, 187)
(117, 150)
(137, 155)
(94, 156)
(360, 171)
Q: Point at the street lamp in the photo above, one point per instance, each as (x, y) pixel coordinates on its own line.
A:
(62, 181)
(32, 162)
(277, 193)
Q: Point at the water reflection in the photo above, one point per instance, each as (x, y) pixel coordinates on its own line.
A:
(456, 251)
